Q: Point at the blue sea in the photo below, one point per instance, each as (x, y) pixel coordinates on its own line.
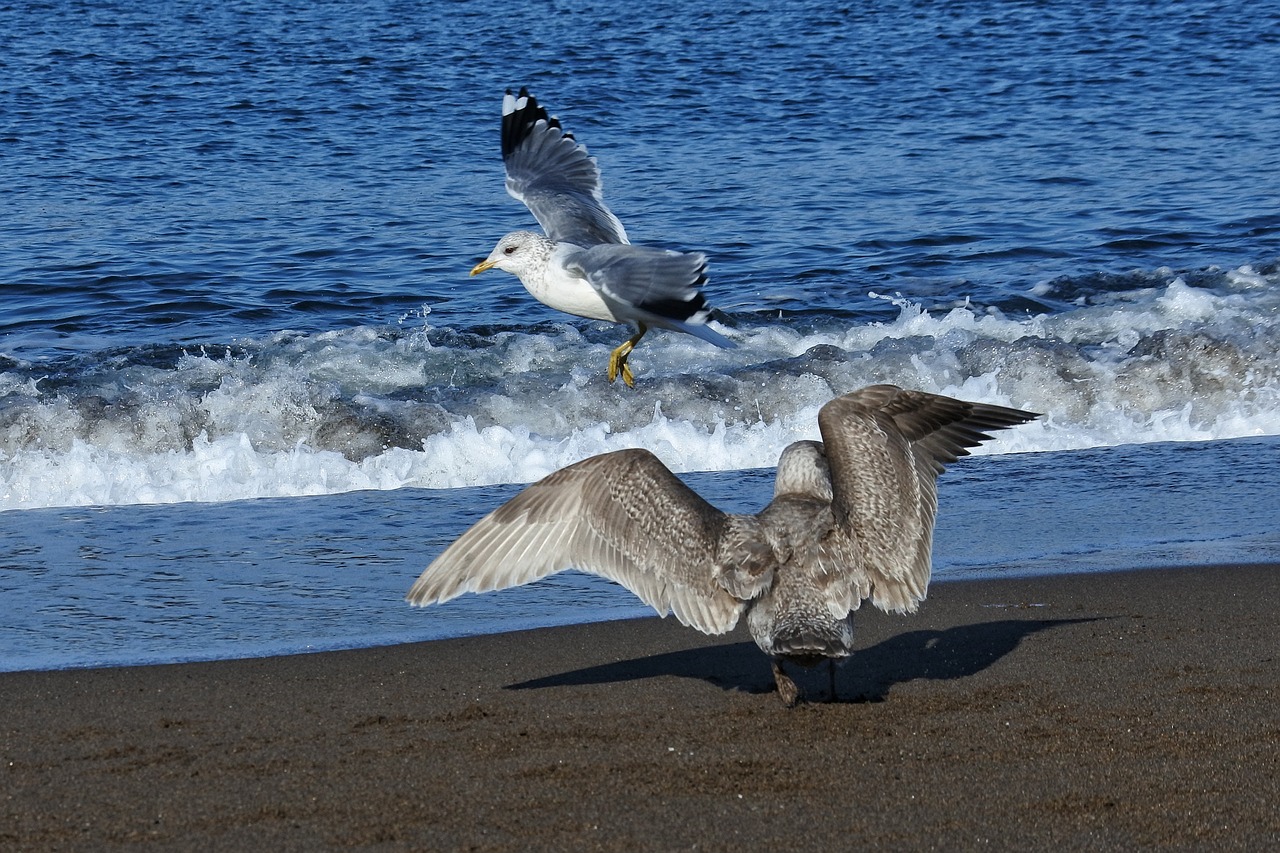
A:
(248, 390)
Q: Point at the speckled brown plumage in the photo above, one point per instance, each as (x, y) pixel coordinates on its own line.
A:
(851, 518)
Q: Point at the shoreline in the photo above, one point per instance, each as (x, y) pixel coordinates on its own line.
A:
(1119, 709)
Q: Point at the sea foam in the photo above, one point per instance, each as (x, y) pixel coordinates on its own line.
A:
(437, 407)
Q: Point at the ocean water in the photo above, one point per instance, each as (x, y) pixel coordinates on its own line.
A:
(247, 389)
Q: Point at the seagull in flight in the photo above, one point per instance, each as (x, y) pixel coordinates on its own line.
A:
(585, 265)
(851, 518)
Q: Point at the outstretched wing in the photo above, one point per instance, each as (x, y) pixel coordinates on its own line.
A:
(553, 175)
(621, 515)
(886, 447)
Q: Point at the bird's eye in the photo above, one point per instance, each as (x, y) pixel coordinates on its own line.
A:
(508, 250)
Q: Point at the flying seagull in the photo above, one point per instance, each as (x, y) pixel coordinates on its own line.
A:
(585, 265)
(851, 518)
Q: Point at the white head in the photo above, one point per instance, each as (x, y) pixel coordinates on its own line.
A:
(803, 470)
(517, 253)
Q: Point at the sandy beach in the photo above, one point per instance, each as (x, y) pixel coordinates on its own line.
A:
(1119, 710)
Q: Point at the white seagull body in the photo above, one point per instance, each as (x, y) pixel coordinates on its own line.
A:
(851, 518)
(585, 265)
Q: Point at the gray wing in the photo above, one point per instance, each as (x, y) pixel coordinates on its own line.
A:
(622, 515)
(886, 447)
(553, 176)
(657, 287)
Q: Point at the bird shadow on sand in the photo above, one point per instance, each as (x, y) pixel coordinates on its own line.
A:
(868, 676)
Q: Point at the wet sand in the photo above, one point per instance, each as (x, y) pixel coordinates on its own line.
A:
(1122, 710)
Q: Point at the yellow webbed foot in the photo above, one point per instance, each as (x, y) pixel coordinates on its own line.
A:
(618, 365)
(618, 359)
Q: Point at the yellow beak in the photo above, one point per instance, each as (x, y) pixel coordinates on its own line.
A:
(481, 267)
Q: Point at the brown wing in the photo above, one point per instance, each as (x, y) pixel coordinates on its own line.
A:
(622, 515)
(886, 447)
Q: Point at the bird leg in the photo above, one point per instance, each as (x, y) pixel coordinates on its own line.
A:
(618, 358)
(831, 672)
(786, 687)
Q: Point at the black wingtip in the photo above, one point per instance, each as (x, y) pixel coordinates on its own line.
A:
(519, 123)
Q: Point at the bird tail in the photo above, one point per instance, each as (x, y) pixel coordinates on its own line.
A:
(813, 644)
(697, 327)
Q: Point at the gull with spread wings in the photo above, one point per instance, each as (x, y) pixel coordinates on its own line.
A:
(851, 518)
(585, 265)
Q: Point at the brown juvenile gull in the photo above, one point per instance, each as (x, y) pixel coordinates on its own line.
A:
(851, 518)
(585, 266)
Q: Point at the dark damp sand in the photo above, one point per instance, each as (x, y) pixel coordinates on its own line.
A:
(1123, 710)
